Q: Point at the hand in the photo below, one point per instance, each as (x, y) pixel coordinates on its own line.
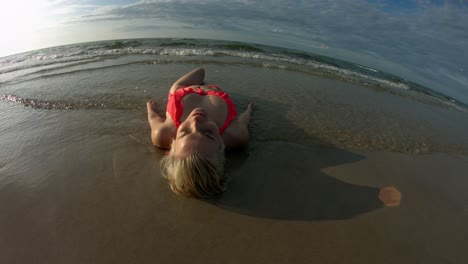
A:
(151, 107)
(250, 106)
(244, 118)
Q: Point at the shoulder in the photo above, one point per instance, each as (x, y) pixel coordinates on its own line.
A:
(236, 135)
(164, 134)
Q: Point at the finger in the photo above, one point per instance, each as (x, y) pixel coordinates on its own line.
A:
(151, 108)
(154, 105)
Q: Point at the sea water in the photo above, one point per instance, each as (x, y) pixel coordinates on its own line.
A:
(323, 99)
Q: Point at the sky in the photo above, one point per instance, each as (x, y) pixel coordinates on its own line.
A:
(420, 40)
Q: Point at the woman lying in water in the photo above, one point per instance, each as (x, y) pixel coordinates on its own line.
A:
(201, 122)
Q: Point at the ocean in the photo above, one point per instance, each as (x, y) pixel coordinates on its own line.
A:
(124, 74)
(80, 180)
(118, 53)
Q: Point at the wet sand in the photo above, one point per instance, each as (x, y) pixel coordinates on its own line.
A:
(96, 202)
(84, 186)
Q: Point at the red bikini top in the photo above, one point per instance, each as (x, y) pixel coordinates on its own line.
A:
(175, 106)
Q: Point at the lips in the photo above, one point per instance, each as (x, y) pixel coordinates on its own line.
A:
(199, 114)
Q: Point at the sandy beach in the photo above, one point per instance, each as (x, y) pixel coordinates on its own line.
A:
(83, 185)
(101, 202)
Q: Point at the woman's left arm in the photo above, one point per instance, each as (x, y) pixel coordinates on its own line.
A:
(162, 129)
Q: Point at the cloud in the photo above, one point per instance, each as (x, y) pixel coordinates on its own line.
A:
(421, 35)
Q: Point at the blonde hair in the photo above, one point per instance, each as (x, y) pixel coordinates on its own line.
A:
(194, 176)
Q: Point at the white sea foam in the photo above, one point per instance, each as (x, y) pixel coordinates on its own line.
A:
(367, 68)
(64, 55)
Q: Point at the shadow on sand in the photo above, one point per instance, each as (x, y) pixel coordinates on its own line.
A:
(281, 175)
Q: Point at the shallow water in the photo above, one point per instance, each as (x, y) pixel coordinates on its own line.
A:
(292, 106)
(80, 181)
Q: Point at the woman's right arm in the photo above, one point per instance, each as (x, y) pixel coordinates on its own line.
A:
(237, 133)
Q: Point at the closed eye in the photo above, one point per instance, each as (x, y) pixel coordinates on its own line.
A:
(209, 134)
(183, 133)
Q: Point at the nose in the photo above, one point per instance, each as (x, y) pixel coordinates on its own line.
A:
(197, 123)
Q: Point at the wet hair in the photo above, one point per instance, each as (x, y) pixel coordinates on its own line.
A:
(195, 176)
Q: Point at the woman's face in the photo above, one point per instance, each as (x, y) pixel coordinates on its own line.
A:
(198, 134)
